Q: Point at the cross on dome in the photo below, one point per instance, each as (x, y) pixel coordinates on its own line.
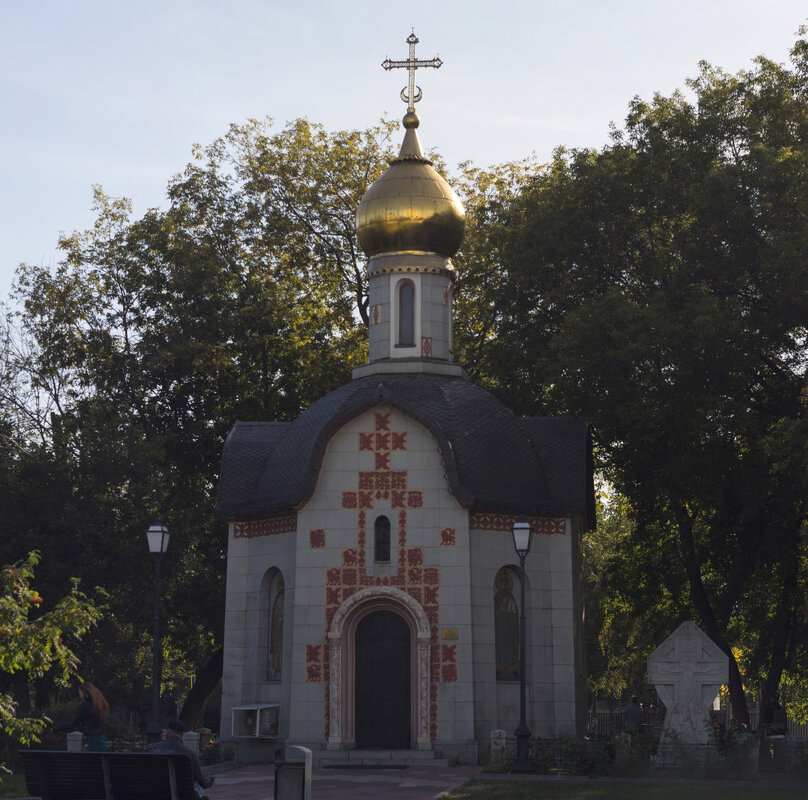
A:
(411, 94)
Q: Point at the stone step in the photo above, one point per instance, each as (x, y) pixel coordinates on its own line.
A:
(381, 759)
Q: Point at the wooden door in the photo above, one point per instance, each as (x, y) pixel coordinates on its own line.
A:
(382, 682)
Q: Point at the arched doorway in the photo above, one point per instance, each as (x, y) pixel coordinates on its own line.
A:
(382, 682)
(342, 682)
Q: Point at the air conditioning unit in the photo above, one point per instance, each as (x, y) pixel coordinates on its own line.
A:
(256, 721)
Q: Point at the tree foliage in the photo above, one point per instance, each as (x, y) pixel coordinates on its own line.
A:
(36, 644)
(136, 353)
(487, 195)
(634, 587)
(658, 288)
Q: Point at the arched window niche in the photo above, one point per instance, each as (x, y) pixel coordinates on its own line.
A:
(406, 314)
(506, 625)
(381, 540)
(271, 636)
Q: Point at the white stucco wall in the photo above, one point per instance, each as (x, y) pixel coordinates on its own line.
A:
(552, 634)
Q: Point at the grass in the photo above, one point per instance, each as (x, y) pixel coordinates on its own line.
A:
(13, 786)
(540, 790)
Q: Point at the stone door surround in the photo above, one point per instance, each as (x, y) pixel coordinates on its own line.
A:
(341, 658)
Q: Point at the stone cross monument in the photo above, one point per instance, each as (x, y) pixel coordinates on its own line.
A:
(688, 670)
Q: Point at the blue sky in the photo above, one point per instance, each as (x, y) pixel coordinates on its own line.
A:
(116, 93)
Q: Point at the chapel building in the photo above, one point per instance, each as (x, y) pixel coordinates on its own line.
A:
(372, 583)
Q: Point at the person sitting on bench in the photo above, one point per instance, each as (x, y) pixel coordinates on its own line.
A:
(173, 744)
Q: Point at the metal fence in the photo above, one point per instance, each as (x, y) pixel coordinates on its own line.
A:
(796, 730)
(605, 724)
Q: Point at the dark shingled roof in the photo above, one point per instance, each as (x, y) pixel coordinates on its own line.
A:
(494, 461)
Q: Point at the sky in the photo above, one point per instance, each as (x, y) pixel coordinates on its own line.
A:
(116, 93)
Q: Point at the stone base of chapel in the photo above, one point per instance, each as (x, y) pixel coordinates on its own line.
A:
(441, 754)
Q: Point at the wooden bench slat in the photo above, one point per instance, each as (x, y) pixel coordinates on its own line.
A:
(58, 775)
(63, 776)
(108, 795)
(172, 780)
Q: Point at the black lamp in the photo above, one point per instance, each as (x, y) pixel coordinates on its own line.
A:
(522, 534)
(157, 536)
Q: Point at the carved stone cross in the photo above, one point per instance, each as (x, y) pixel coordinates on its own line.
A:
(688, 670)
(411, 94)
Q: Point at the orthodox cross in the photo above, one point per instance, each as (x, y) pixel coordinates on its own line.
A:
(411, 94)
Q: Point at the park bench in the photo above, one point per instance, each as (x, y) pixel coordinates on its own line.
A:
(59, 775)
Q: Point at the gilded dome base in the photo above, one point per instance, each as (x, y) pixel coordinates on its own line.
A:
(412, 261)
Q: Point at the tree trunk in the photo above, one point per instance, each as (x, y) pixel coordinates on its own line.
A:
(701, 602)
(782, 628)
(207, 680)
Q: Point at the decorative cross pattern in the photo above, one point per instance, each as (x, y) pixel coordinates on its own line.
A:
(382, 483)
(412, 93)
(412, 576)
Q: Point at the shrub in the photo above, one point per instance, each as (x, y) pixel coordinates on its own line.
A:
(211, 753)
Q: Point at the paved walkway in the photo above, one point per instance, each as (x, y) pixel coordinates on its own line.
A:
(413, 783)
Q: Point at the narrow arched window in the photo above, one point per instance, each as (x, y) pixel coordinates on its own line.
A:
(275, 629)
(406, 314)
(381, 539)
(506, 627)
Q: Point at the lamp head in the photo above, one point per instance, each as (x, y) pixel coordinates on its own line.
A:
(522, 534)
(158, 538)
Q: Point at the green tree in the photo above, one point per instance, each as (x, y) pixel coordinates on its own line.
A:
(243, 300)
(658, 288)
(34, 644)
(633, 587)
(487, 195)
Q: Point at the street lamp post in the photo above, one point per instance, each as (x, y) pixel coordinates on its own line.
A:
(157, 536)
(522, 534)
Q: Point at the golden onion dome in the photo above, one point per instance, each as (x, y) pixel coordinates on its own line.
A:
(411, 208)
